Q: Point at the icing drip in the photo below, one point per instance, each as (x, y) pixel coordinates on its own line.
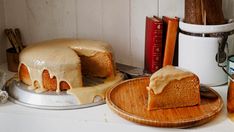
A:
(60, 58)
(86, 95)
(164, 76)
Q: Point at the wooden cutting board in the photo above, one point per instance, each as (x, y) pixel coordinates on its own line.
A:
(129, 99)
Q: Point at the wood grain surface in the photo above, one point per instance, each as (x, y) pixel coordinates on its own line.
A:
(129, 99)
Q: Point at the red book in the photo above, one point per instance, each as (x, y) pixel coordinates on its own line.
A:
(171, 29)
(153, 44)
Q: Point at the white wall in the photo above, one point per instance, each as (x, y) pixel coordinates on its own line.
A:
(119, 22)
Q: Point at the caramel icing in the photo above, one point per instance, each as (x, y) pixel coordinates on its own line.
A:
(60, 58)
(231, 116)
(165, 75)
(86, 95)
(90, 47)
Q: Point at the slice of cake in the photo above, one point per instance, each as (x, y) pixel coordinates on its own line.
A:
(171, 87)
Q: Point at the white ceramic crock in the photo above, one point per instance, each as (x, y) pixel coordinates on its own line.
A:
(197, 54)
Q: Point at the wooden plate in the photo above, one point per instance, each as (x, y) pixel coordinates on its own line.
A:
(128, 99)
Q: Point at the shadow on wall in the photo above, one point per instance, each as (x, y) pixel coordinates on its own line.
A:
(228, 8)
(229, 14)
(3, 41)
(231, 44)
(3, 46)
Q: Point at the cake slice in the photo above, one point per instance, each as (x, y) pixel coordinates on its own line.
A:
(171, 87)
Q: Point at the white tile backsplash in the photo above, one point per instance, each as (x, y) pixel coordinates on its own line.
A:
(49, 19)
(89, 19)
(16, 16)
(116, 28)
(119, 22)
(171, 8)
(138, 11)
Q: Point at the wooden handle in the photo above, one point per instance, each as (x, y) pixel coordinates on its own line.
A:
(18, 34)
(11, 35)
(230, 97)
(19, 38)
(13, 42)
(6, 31)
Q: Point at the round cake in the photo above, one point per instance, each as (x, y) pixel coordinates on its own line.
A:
(58, 65)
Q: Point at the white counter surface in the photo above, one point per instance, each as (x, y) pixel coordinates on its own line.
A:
(16, 118)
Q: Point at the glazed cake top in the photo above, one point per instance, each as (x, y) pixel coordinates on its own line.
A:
(60, 52)
(165, 75)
